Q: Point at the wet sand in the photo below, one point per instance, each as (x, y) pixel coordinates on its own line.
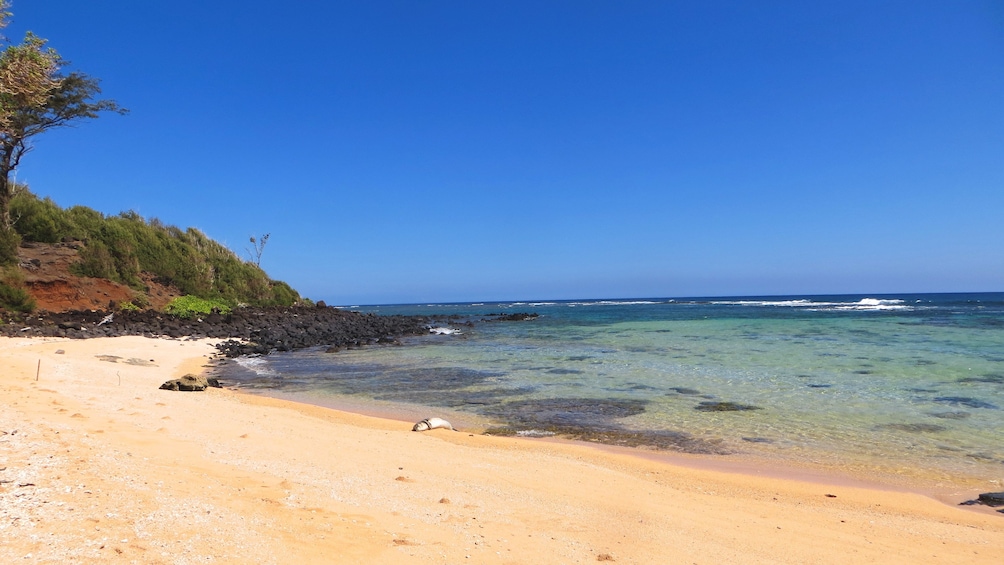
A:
(99, 466)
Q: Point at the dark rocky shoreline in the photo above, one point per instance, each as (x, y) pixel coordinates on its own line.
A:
(251, 330)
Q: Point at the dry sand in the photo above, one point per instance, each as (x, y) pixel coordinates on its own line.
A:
(99, 466)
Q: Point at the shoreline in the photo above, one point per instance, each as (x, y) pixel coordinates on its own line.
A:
(120, 472)
(748, 464)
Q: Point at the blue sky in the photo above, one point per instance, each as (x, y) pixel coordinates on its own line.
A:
(462, 151)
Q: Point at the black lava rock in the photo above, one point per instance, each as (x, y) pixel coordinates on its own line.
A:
(246, 330)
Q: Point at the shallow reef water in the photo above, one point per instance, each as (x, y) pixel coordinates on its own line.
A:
(874, 381)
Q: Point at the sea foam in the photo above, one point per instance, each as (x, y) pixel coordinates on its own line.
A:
(256, 365)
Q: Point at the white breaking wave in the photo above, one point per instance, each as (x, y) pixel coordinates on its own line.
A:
(614, 303)
(444, 331)
(778, 303)
(864, 304)
(256, 365)
(534, 433)
(875, 304)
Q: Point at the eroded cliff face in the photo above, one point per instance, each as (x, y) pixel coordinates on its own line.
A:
(47, 277)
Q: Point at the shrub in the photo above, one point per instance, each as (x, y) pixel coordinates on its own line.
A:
(95, 261)
(15, 299)
(13, 296)
(128, 306)
(40, 220)
(188, 306)
(140, 300)
(282, 293)
(9, 242)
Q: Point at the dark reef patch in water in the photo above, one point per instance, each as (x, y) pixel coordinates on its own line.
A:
(965, 401)
(957, 415)
(985, 457)
(913, 428)
(724, 407)
(591, 412)
(410, 380)
(639, 386)
(664, 440)
(564, 371)
(989, 378)
(814, 385)
(591, 419)
(684, 390)
(758, 440)
(459, 398)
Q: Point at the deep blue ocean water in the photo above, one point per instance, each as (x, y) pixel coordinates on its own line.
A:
(885, 385)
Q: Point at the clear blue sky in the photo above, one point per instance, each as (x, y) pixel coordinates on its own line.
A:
(429, 151)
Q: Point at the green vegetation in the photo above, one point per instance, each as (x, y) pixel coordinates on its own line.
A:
(121, 247)
(13, 296)
(129, 306)
(188, 306)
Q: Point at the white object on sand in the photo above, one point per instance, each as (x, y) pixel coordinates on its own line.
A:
(431, 424)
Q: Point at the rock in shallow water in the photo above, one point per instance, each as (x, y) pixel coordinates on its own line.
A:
(724, 407)
(992, 499)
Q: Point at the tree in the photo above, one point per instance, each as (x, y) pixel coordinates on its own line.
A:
(34, 98)
(259, 248)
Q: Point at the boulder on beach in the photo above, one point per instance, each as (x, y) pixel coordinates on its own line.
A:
(191, 383)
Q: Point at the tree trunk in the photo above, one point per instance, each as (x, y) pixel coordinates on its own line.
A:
(9, 238)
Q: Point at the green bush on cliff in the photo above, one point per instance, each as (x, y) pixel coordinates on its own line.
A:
(122, 247)
(14, 299)
(13, 296)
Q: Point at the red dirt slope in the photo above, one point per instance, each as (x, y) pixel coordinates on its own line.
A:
(47, 276)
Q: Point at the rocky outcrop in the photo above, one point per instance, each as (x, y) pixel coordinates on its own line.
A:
(191, 383)
(247, 331)
(514, 317)
(991, 499)
(250, 330)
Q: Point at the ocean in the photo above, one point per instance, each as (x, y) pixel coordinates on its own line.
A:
(906, 389)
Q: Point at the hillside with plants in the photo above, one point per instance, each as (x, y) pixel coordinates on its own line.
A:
(136, 254)
(78, 257)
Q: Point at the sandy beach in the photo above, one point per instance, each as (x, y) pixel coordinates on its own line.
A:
(100, 466)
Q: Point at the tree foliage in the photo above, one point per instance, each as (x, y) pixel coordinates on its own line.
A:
(35, 96)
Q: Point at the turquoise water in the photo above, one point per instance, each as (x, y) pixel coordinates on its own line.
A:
(908, 385)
